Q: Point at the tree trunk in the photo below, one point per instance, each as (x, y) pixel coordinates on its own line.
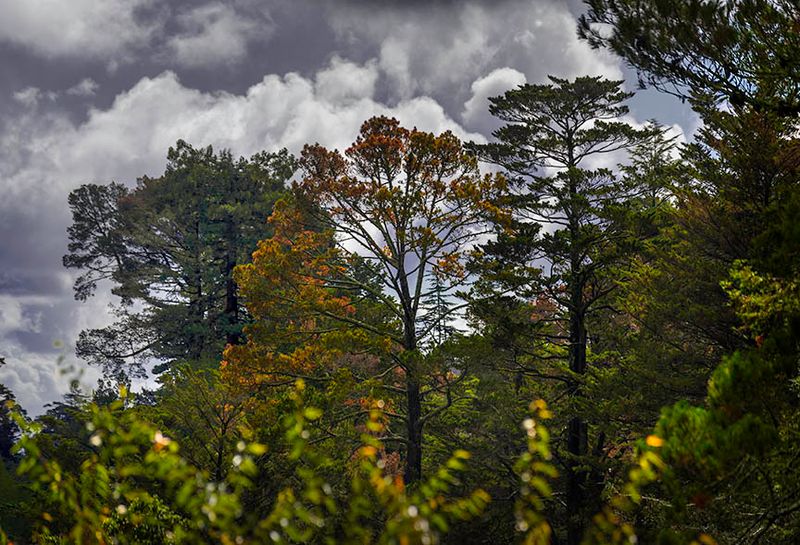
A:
(196, 337)
(413, 469)
(413, 466)
(577, 430)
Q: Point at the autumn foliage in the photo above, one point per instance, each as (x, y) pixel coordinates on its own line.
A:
(367, 238)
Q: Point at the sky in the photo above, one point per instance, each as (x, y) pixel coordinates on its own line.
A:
(93, 91)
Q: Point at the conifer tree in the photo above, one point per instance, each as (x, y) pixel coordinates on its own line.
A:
(743, 52)
(168, 249)
(566, 236)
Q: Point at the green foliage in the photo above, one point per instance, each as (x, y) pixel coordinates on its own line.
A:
(535, 472)
(741, 51)
(168, 248)
(655, 304)
(737, 449)
(205, 415)
(136, 487)
(9, 431)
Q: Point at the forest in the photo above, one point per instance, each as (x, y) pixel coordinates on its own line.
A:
(580, 332)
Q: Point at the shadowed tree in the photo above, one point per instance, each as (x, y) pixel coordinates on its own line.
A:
(740, 51)
(566, 237)
(9, 431)
(168, 248)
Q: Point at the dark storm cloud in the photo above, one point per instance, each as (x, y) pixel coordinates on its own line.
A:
(211, 45)
(97, 90)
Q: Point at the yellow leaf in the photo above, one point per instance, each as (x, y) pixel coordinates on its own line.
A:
(654, 441)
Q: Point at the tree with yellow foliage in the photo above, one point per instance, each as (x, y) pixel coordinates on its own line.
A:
(369, 236)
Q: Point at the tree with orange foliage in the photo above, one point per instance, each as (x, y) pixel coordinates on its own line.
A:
(368, 237)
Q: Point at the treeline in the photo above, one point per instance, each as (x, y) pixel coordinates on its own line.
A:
(580, 332)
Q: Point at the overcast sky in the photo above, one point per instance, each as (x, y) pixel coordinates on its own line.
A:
(97, 90)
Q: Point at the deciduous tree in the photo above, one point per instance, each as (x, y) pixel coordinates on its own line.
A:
(371, 235)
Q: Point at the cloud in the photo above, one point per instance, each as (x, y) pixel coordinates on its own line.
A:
(87, 87)
(120, 32)
(215, 34)
(39, 379)
(476, 110)
(39, 361)
(439, 48)
(102, 29)
(31, 96)
(15, 316)
(344, 81)
(129, 139)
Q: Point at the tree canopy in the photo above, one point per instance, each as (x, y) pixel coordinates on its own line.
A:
(579, 331)
(168, 248)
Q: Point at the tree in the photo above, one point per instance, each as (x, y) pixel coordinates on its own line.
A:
(739, 165)
(9, 431)
(730, 229)
(745, 52)
(732, 461)
(566, 236)
(384, 226)
(726, 451)
(169, 248)
(204, 414)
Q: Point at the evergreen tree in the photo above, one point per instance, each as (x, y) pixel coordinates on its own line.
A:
(566, 237)
(168, 248)
(743, 52)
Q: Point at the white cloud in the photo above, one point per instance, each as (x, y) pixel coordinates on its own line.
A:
(105, 29)
(344, 81)
(39, 379)
(28, 97)
(118, 32)
(476, 109)
(31, 96)
(131, 137)
(14, 317)
(215, 34)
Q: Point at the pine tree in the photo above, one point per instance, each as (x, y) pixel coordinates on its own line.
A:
(168, 248)
(566, 236)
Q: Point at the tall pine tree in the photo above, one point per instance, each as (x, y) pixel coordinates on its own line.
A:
(566, 236)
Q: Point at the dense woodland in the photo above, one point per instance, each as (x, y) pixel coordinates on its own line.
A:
(580, 332)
